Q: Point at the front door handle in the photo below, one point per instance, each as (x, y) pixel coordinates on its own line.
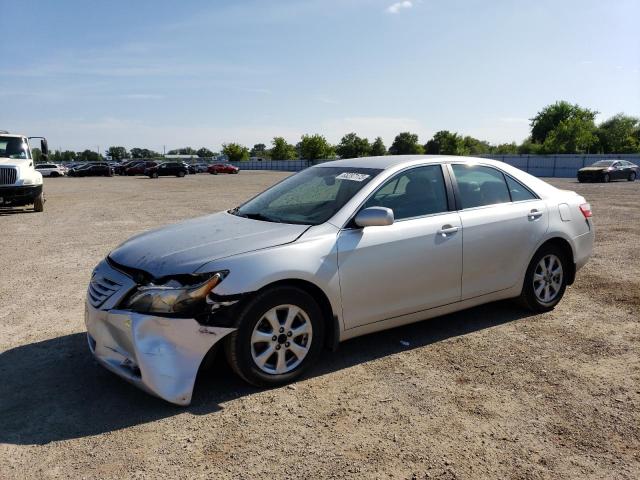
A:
(534, 214)
(447, 230)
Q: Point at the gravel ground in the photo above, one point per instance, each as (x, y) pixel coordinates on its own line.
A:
(491, 392)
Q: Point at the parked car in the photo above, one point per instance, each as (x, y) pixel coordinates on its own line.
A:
(51, 170)
(139, 168)
(121, 168)
(217, 168)
(607, 170)
(338, 250)
(92, 170)
(201, 167)
(177, 169)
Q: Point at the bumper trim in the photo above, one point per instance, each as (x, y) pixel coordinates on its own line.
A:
(159, 355)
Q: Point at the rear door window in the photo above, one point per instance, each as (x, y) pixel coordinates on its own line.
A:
(519, 192)
(479, 186)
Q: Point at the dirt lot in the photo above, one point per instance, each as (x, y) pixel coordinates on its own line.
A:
(491, 392)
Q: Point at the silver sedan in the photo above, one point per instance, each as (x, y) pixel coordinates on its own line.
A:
(338, 250)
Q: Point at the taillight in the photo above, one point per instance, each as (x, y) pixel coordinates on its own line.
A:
(585, 208)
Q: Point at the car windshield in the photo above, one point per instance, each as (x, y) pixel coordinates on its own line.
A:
(603, 163)
(14, 147)
(310, 197)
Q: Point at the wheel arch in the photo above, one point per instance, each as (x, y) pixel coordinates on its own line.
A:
(566, 248)
(332, 325)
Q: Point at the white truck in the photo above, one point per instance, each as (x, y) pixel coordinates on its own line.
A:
(20, 182)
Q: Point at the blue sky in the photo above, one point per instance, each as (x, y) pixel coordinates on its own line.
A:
(200, 73)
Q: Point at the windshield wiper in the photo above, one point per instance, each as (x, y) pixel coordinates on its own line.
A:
(259, 216)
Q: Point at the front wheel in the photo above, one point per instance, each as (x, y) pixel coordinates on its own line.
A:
(545, 280)
(154, 175)
(606, 178)
(632, 177)
(38, 203)
(180, 174)
(279, 337)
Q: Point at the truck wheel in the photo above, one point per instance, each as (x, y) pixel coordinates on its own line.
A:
(38, 203)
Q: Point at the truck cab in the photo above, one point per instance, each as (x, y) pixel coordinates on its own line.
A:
(20, 182)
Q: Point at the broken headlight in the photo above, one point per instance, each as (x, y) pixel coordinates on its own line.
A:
(174, 296)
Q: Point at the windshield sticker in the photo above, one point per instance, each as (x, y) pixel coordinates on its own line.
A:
(355, 177)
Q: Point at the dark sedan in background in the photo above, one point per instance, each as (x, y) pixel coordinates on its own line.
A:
(92, 170)
(217, 168)
(139, 168)
(607, 170)
(173, 169)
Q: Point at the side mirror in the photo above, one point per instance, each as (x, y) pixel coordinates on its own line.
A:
(374, 217)
(44, 146)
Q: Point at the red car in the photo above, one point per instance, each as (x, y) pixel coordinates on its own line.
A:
(139, 168)
(217, 168)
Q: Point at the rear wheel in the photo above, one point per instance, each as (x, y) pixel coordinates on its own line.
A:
(279, 337)
(54, 174)
(180, 174)
(545, 280)
(632, 177)
(38, 203)
(606, 178)
(154, 175)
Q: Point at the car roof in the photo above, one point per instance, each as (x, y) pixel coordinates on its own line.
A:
(389, 161)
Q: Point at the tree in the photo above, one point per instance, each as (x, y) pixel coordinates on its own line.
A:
(143, 153)
(619, 134)
(353, 146)
(182, 151)
(282, 150)
(564, 128)
(529, 148)
(37, 155)
(446, 143)
(118, 153)
(235, 152)
(473, 146)
(259, 150)
(378, 148)
(505, 149)
(574, 135)
(89, 156)
(406, 143)
(314, 147)
(205, 153)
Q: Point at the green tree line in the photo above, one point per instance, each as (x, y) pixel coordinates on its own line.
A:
(559, 128)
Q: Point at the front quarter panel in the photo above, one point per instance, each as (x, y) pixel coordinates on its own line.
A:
(312, 257)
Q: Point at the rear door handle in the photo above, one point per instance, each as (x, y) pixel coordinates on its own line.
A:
(534, 214)
(447, 230)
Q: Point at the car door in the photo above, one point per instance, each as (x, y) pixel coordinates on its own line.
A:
(409, 266)
(502, 221)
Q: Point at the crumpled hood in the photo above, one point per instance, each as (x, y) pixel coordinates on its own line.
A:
(185, 246)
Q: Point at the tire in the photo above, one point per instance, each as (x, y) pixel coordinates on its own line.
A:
(542, 293)
(38, 203)
(255, 334)
(632, 177)
(581, 180)
(154, 175)
(54, 174)
(215, 172)
(180, 174)
(606, 178)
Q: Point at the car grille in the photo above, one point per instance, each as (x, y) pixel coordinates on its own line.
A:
(100, 289)
(8, 176)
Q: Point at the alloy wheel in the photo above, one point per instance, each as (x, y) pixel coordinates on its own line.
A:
(547, 278)
(281, 339)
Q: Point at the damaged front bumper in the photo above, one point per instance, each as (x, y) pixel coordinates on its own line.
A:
(160, 355)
